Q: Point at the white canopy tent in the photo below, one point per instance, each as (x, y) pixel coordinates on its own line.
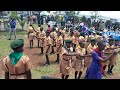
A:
(44, 13)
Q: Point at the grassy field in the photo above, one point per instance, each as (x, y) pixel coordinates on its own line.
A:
(39, 71)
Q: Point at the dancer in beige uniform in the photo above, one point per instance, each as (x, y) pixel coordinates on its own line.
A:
(17, 65)
(79, 62)
(112, 60)
(31, 35)
(89, 50)
(48, 45)
(59, 43)
(65, 63)
(42, 36)
(75, 40)
(38, 36)
(53, 36)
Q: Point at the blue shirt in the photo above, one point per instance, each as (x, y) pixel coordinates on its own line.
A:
(95, 71)
(13, 24)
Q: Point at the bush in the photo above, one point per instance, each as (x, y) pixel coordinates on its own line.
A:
(22, 23)
(13, 15)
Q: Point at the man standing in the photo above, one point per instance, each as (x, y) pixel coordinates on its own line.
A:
(38, 19)
(13, 28)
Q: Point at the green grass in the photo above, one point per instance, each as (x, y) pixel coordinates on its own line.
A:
(44, 71)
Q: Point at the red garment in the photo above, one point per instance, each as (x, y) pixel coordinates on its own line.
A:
(49, 29)
(101, 55)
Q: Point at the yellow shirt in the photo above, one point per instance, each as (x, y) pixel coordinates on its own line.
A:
(81, 37)
(69, 38)
(38, 30)
(96, 36)
(30, 29)
(90, 48)
(53, 34)
(81, 51)
(59, 40)
(86, 38)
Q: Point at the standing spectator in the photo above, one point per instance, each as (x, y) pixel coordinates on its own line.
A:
(48, 19)
(41, 20)
(115, 27)
(21, 16)
(13, 28)
(38, 19)
(63, 23)
(49, 29)
(28, 19)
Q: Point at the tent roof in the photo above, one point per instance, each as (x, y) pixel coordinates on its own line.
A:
(44, 13)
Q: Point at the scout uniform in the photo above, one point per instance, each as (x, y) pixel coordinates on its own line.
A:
(59, 43)
(16, 63)
(88, 60)
(63, 35)
(98, 37)
(106, 50)
(65, 63)
(38, 36)
(30, 29)
(79, 62)
(86, 38)
(53, 36)
(31, 36)
(30, 33)
(73, 57)
(81, 39)
(48, 44)
(112, 61)
(42, 36)
(75, 40)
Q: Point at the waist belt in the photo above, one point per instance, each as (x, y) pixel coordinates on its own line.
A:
(18, 74)
(66, 59)
(79, 58)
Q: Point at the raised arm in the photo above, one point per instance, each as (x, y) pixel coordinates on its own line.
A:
(107, 58)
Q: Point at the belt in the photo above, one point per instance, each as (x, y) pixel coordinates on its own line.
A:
(18, 74)
(79, 58)
(66, 59)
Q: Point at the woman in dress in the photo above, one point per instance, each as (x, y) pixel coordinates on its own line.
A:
(95, 70)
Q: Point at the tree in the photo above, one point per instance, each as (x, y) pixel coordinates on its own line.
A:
(84, 19)
(89, 22)
(22, 23)
(108, 22)
(13, 15)
(95, 14)
(70, 13)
